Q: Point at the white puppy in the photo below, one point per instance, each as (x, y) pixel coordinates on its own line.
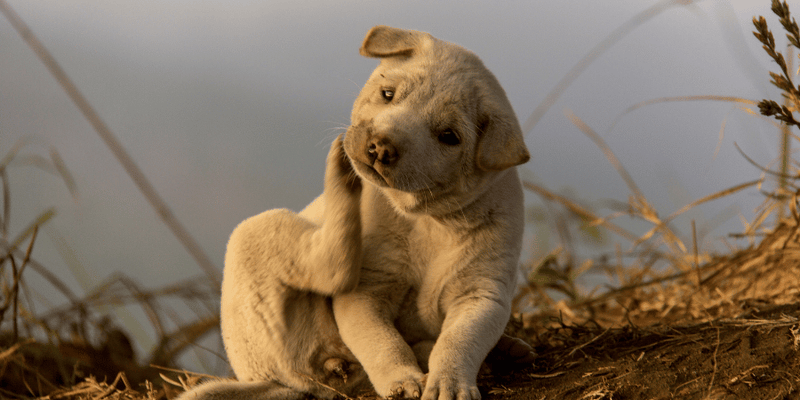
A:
(406, 264)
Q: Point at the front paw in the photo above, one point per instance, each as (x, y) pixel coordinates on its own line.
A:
(446, 387)
(403, 386)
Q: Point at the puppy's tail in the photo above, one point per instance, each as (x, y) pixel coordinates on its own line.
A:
(225, 390)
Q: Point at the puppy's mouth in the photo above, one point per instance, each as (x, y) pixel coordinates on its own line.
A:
(370, 173)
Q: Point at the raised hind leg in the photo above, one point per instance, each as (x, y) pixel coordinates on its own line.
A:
(280, 269)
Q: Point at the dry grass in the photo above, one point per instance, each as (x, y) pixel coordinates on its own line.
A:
(660, 255)
(727, 287)
(73, 345)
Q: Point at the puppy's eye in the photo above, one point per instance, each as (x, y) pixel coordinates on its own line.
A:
(387, 94)
(449, 137)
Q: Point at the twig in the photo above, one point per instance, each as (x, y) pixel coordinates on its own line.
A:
(695, 250)
(547, 376)
(183, 371)
(11, 350)
(743, 374)
(113, 386)
(325, 386)
(588, 343)
(714, 374)
(18, 278)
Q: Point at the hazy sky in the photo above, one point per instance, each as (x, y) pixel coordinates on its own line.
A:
(229, 107)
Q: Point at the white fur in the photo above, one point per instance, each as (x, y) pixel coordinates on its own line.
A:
(406, 264)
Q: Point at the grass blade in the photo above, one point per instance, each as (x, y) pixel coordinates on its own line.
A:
(660, 100)
(588, 131)
(62, 170)
(40, 220)
(577, 209)
(714, 196)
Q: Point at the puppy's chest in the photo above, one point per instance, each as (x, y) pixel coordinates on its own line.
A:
(432, 251)
(433, 255)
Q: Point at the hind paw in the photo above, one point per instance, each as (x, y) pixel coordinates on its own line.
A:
(339, 170)
(516, 349)
(335, 366)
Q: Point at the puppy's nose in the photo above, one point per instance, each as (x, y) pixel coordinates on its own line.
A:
(381, 149)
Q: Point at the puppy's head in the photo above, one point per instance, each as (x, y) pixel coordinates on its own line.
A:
(432, 126)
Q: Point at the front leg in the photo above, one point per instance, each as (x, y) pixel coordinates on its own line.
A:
(366, 325)
(472, 326)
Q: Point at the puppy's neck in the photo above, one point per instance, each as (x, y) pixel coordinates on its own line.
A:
(459, 208)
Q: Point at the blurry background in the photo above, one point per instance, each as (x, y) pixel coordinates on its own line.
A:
(229, 108)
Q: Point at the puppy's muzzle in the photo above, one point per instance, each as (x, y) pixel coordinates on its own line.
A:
(381, 149)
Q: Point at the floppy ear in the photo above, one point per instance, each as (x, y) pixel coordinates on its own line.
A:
(500, 144)
(385, 41)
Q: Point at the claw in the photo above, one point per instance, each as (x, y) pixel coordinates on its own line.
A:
(405, 390)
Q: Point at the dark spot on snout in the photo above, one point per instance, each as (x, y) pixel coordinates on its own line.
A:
(382, 150)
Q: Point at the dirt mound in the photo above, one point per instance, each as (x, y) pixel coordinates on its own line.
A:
(729, 329)
(752, 357)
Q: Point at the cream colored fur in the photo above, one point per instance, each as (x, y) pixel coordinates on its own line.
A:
(401, 273)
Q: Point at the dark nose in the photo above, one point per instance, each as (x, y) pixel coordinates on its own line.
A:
(382, 150)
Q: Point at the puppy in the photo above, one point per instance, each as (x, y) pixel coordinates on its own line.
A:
(400, 275)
